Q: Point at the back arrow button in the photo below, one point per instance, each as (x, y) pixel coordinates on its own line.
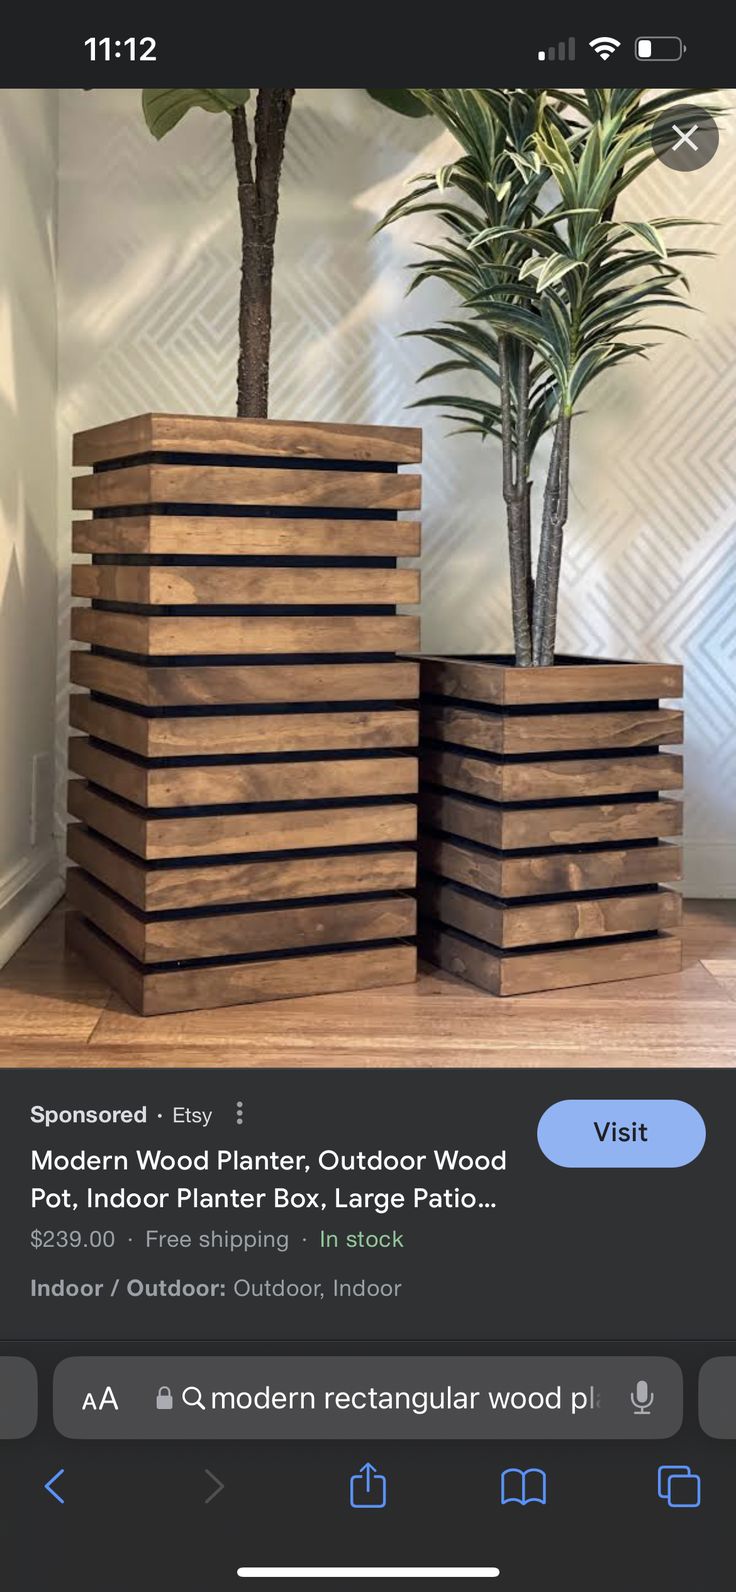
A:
(219, 1486)
(48, 1487)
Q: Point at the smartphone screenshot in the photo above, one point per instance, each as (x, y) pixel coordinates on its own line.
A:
(367, 814)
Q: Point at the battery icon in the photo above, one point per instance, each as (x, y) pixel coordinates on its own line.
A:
(663, 47)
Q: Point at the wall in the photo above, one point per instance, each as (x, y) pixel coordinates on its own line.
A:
(149, 252)
(29, 865)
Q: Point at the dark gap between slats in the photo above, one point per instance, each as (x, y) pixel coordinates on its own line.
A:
(250, 461)
(243, 858)
(555, 897)
(234, 809)
(254, 759)
(244, 909)
(593, 846)
(483, 803)
(250, 709)
(431, 924)
(216, 962)
(246, 610)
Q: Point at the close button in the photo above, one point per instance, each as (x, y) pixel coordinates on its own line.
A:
(621, 1134)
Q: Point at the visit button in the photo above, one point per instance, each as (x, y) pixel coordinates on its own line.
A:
(621, 1133)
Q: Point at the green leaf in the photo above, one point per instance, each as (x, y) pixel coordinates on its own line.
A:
(402, 100)
(164, 107)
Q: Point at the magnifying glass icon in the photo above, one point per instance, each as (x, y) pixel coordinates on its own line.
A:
(192, 1397)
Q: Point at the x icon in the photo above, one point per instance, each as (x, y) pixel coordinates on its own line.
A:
(685, 138)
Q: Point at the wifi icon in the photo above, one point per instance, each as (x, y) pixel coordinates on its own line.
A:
(604, 47)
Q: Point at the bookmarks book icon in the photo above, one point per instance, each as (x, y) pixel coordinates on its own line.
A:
(523, 1486)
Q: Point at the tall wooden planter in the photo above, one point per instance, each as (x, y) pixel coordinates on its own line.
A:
(544, 836)
(246, 799)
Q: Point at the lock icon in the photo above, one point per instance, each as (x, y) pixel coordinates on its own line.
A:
(164, 1400)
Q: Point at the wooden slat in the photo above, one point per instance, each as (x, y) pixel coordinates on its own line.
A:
(497, 684)
(548, 873)
(547, 923)
(538, 781)
(197, 685)
(220, 484)
(163, 889)
(230, 834)
(224, 784)
(238, 983)
(521, 829)
(186, 635)
(240, 536)
(551, 732)
(228, 586)
(245, 933)
(228, 733)
(525, 971)
(151, 433)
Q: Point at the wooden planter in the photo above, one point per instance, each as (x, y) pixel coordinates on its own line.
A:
(543, 831)
(247, 799)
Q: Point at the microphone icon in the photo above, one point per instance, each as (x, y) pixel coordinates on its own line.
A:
(642, 1398)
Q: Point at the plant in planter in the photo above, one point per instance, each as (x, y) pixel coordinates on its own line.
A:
(555, 289)
(247, 800)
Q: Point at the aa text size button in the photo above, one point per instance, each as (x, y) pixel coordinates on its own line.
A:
(625, 1134)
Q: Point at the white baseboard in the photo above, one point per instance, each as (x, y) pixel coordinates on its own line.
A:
(28, 891)
(710, 869)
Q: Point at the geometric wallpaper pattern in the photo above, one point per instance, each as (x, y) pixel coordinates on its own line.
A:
(148, 272)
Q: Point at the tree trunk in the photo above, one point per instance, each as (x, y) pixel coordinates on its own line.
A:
(516, 497)
(554, 516)
(258, 201)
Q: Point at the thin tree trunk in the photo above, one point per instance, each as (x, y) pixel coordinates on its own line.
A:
(516, 499)
(258, 201)
(523, 484)
(554, 517)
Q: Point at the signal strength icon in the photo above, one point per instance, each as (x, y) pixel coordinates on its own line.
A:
(604, 47)
(558, 52)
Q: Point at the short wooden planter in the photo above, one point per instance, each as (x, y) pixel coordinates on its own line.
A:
(544, 836)
(246, 799)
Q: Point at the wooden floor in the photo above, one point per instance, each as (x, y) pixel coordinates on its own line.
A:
(55, 1012)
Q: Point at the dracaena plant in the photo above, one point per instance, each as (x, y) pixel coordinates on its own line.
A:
(258, 148)
(554, 290)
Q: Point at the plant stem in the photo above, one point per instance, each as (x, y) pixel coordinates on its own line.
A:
(258, 201)
(516, 497)
(554, 516)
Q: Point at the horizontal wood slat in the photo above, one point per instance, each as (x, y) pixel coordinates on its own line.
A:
(537, 781)
(548, 873)
(249, 587)
(577, 917)
(155, 993)
(221, 784)
(554, 732)
(151, 433)
(497, 684)
(230, 834)
(244, 685)
(153, 888)
(220, 484)
(222, 734)
(557, 968)
(233, 536)
(186, 634)
(508, 829)
(243, 933)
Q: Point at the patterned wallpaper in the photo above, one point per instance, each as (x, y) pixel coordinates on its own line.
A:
(148, 263)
